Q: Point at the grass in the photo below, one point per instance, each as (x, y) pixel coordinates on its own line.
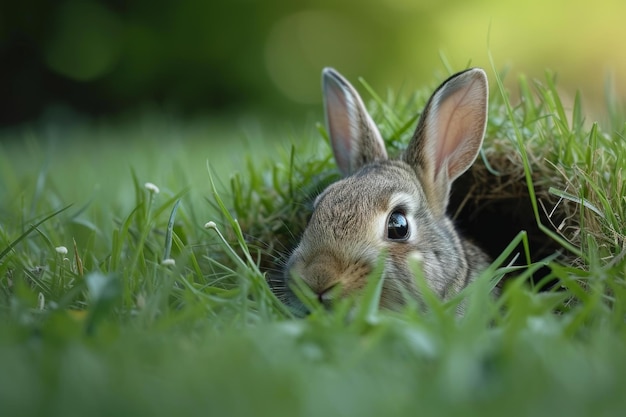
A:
(109, 328)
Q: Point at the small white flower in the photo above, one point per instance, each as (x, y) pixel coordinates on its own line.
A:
(152, 188)
(61, 250)
(41, 301)
(168, 262)
(210, 225)
(141, 301)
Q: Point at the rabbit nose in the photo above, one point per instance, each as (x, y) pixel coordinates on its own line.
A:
(326, 296)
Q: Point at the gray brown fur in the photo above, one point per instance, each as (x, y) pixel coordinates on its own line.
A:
(347, 232)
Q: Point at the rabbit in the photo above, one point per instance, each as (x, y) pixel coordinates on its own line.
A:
(392, 207)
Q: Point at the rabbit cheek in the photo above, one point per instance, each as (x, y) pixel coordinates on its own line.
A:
(400, 275)
(399, 281)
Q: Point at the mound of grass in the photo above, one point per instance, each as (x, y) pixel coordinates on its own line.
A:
(161, 305)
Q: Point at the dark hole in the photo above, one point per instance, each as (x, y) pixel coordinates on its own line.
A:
(493, 218)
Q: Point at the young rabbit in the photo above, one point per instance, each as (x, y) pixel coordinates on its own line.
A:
(393, 207)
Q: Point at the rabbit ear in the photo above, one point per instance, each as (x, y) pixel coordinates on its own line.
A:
(449, 134)
(354, 137)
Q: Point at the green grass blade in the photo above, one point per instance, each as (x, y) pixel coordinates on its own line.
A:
(30, 230)
(169, 231)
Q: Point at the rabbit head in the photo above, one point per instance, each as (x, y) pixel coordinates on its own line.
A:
(394, 208)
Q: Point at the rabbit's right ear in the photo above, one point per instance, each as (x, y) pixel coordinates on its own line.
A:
(354, 137)
(449, 134)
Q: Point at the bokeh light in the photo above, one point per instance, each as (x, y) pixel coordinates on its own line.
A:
(266, 56)
(85, 41)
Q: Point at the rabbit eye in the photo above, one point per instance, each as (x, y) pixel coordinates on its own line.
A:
(397, 226)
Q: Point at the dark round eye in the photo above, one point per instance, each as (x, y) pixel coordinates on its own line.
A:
(397, 226)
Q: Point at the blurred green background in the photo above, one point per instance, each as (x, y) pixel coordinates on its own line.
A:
(264, 57)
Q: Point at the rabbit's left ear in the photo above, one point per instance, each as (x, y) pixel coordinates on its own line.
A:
(449, 134)
(354, 137)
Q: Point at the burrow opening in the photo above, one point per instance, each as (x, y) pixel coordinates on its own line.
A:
(492, 205)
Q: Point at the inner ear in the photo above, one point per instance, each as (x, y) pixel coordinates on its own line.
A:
(354, 137)
(451, 128)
